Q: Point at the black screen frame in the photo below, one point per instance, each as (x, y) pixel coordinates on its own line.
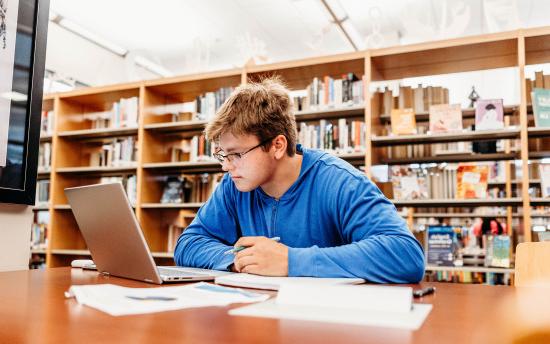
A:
(33, 110)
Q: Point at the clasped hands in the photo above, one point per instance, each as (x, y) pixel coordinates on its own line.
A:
(262, 256)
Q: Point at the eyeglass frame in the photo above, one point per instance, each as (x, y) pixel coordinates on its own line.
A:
(222, 158)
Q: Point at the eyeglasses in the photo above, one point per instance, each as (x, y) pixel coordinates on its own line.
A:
(236, 157)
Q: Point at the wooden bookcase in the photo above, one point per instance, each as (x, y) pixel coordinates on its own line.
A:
(156, 131)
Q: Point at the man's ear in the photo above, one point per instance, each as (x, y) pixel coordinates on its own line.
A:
(279, 143)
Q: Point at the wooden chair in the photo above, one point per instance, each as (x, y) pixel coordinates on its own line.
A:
(532, 264)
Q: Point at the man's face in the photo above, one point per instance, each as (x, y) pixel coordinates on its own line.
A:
(252, 169)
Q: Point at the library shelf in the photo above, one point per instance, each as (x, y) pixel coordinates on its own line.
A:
(184, 166)
(331, 113)
(176, 127)
(516, 201)
(540, 201)
(172, 205)
(46, 138)
(467, 113)
(538, 132)
(96, 169)
(457, 215)
(38, 250)
(450, 158)
(469, 269)
(162, 254)
(41, 207)
(507, 133)
(69, 252)
(98, 133)
(156, 134)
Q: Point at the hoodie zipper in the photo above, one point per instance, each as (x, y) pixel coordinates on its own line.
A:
(273, 217)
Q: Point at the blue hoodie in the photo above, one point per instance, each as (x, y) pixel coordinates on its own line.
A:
(334, 220)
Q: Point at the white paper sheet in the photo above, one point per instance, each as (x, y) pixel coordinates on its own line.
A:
(9, 12)
(385, 306)
(116, 300)
(270, 309)
(274, 283)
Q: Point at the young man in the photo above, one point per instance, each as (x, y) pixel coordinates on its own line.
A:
(332, 221)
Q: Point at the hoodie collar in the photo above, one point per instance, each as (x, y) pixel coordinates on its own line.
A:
(309, 158)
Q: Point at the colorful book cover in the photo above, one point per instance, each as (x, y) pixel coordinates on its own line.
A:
(445, 118)
(471, 181)
(408, 184)
(403, 122)
(498, 251)
(442, 246)
(544, 171)
(489, 114)
(541, 107)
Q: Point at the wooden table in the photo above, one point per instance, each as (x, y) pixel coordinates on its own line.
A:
(33, 309)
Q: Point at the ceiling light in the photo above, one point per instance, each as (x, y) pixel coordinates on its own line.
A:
(92, 37)
(152, 66)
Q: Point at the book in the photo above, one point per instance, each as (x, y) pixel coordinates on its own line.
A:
(498, 251)
(403, 121)
(445, 118)
(472, 181)
(541, 107)
(408, 183)
(442, 247)
(489, 114)
(544, 172)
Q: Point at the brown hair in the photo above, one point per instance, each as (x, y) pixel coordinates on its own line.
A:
(263, 109)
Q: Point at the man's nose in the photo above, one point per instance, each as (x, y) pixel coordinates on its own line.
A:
(227, 165)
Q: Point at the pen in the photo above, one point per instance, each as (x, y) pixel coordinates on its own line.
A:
(240, 248)
(424, 291)
(152, 298)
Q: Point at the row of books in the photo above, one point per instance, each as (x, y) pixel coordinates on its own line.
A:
(469, 277)
(195, 188)
(447, 181)
(194, 149)
(540, 81)
(45, 156)
(344, 137)
(123, 114)
(419, 99)
(447, 118)
(207, 104)
(42, 192)
(119, 152)
(47, 123)
(39, 230)
(327, 92)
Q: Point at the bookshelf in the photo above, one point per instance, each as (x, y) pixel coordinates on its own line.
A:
(165, 122)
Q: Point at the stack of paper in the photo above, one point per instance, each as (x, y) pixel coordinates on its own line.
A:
(274, 283)
(360, 305)
(116, 300)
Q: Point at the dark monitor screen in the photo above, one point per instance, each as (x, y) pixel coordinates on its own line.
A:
(23, 31)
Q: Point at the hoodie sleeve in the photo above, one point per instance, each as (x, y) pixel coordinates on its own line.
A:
(212, 232)
(380, 247)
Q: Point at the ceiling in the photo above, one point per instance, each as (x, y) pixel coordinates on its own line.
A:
(186, 36)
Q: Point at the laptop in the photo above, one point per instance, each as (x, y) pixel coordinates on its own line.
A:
(115, 240)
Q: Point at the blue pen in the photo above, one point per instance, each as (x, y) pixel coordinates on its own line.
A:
(240, 248)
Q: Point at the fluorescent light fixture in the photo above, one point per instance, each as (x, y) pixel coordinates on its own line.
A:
(15, 96)
(152, 66)
(353, 34)
(342, 21)
(92, 37)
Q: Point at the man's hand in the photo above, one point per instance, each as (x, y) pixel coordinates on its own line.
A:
(262, 256)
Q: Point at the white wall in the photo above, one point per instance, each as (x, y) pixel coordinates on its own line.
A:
(15, 236)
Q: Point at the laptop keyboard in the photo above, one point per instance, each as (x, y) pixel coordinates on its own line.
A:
(176, 272)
